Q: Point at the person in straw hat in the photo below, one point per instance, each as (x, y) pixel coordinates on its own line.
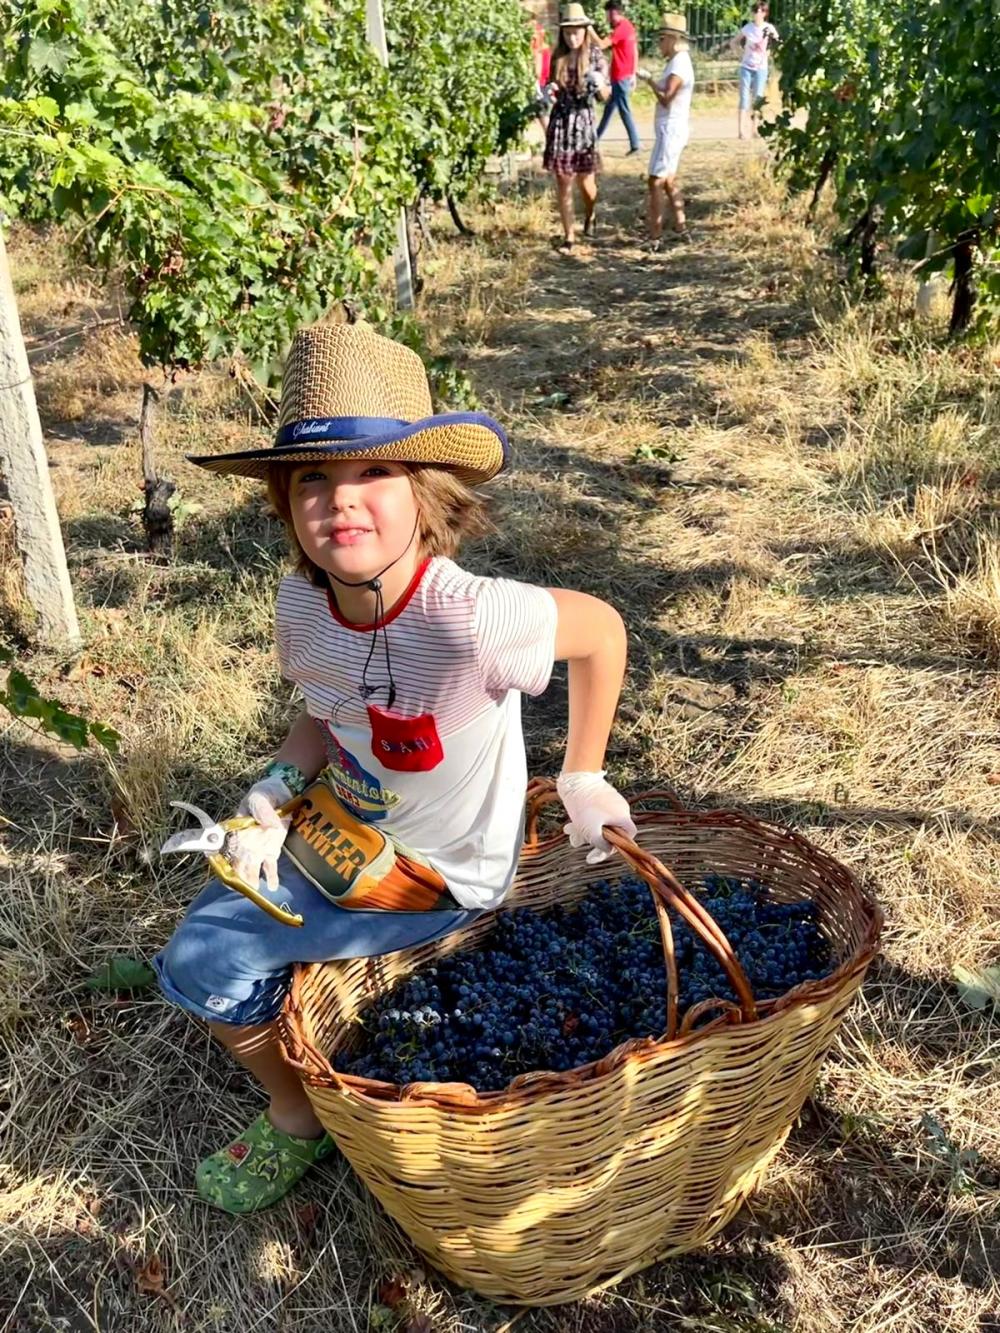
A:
(671, 127)
(579, 76)
(408, 751)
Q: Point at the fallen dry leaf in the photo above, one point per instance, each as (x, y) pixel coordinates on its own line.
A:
(84, 666)
(80, 1029)
(306, 1217)
(393, 1292)
(125, 825)
(150, 1277)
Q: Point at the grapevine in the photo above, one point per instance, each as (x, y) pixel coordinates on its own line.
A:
(892, 106)
(241, 170)
(22, 699)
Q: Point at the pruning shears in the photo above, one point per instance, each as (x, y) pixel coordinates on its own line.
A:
(210, 838)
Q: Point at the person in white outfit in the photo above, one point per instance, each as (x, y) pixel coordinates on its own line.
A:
(671, 129)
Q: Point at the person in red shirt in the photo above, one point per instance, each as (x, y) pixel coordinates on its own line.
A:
(624, 46)
(541, 54)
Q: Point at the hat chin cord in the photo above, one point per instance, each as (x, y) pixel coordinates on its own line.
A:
(374, 584)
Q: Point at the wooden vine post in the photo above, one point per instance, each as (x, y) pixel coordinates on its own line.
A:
(401, 255)
(157, 516)
(25, 470)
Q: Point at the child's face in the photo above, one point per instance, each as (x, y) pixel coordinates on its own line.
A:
(574, 37)
(352, 516)
(667, 43)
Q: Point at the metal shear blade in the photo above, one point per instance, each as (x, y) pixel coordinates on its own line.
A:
(208, 839)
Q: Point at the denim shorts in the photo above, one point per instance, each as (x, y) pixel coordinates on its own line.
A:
(232, 963)
(753, 85)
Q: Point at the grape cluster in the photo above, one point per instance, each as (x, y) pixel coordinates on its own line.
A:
(554, 991)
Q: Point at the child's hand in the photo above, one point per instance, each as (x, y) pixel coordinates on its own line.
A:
(591, 803)
(257, 849)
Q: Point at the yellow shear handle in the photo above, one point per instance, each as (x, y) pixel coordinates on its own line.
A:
(225, 872)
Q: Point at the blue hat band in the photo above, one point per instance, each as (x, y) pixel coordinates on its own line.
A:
(337, 428)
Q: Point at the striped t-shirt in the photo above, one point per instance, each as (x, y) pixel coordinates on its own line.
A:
(442, 772)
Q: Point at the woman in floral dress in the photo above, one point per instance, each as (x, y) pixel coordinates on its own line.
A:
(579, 76)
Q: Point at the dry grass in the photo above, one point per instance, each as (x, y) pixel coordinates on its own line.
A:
(791, 501)
(15, 610)
(971, 611)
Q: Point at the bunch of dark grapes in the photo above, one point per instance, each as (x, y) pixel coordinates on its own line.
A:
(556, 991)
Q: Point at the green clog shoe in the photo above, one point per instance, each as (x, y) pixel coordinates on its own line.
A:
(258, 1168)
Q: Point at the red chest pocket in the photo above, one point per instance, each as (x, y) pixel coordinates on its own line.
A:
(405, 744)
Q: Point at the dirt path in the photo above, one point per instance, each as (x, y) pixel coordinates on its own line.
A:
(707, 125)
(612, 363)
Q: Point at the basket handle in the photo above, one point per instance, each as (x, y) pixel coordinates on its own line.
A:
(667, 891)
(541, 792)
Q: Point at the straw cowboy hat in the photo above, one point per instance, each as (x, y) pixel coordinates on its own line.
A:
(675, 23)
(347, 392)
(573, 16)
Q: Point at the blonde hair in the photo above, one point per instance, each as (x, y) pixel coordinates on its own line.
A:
(448, 512)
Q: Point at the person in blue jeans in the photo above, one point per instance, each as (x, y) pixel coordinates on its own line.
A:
(756, 38)
(624, 46)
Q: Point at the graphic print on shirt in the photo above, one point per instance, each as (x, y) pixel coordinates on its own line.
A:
(756, 42)
(358, 791)
(405, 744)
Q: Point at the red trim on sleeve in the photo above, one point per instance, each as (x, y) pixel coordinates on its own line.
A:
(390, 615)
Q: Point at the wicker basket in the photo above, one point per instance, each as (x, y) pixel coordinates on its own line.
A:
(565, 1183)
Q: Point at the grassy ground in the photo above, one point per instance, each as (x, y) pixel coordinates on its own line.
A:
(792, 500)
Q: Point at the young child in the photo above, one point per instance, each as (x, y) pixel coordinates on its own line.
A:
(411, 672)
(671, 128)
(755, 38)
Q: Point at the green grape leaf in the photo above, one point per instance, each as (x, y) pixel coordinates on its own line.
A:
(121, 972)
(105, 736)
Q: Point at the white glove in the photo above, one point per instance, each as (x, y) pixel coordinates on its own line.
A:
(255, 849)
(591, 803)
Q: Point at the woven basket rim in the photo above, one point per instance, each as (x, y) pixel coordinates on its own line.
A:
(307, 1059)
(315, 1069)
